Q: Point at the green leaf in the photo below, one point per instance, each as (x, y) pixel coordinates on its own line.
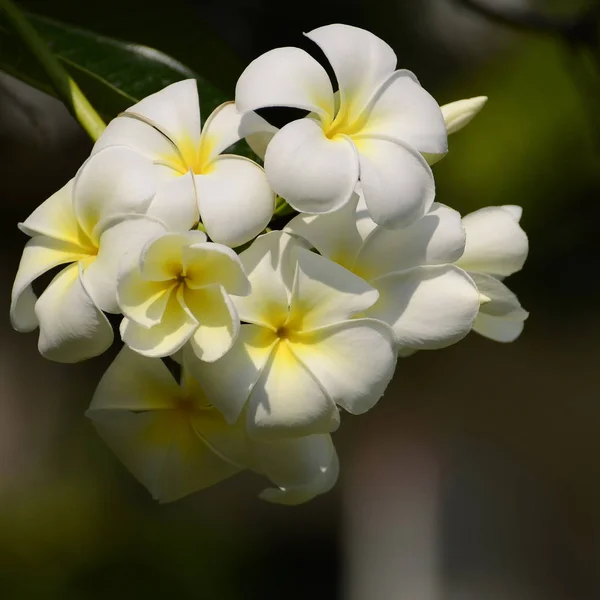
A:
(112, 74)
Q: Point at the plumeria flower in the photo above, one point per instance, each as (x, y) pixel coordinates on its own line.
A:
(374, 130)
(179, 291)
(175, 443)
(91, 225)
(428, 301)
(301, 351)
(496, 247)
(229, 193)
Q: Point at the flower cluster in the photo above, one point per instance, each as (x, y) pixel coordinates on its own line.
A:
(274, 326)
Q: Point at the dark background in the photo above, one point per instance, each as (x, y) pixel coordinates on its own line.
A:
(476, 477)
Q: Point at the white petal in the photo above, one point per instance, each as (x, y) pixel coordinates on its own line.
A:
(402, 110)
(334, 235)
(500, 301)
(435, 239)
(174, 330)
(207, 264)
(285, 77)
(287, 400)
(396, 180)
(218, 322)
(55, 218)
(222, 129)
(353, 361)
(121, 241)
(175, 111)
(135, 382)
(246, 359)
(162, 451)
(175, 201)
(364, 223)
(141, 300)
(460, 113)
(269, 264)
(39, 255)
(496, 244)
(115, 180)
(235, 200)
(258, 133)
(72, 328)
(499, 329)
(313, 173)
(360, 61)
(427, 307)
(301, 468)
(514, 210)
(325, 293)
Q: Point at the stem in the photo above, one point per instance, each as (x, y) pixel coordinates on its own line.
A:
(66, 88)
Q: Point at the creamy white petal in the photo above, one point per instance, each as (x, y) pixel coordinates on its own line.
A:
(175, 111)
(460, 113)
(285, 77)
(39, 255)
(364, 223)
(404, 111)
(496, 244)
(115, 180)
(246, 359)
(334, 235)
(174, 330)
(427, 307)
(72, 327)
(235, 200)
(514, 210)
(258, 133)
(222, 129)
(353, 361)
(313, 173)
(499, 329)
(500, 301)
(434, 239)
(325, 293)
(360, 61)
(121, 239)
(288, 401)
(218, 322)
(396, 180)
(207, 264)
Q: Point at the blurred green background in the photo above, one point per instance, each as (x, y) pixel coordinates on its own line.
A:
(476, 477)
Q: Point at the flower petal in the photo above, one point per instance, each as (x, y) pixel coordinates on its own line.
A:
(285, 77)
(39, 255)
(500, 301)
(313, 173)
(325, 293)
(218, 320)
(115, 180)
(301, 468)
(287, 400)
(134, 382)
(427, 307)
(396, 180)
(499, 329)
(55, 218)
(258, 133)
(246, 359)
(460, 113)
(353, 361)
(403, 111)
(174, 330)
(234, 185)
(121, 239)
(175, 112)
(435, 239)
(496, 244)
(208, 264)
(360, 61)
(72, 327)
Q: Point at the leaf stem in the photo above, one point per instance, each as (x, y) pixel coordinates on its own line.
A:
(65, 86)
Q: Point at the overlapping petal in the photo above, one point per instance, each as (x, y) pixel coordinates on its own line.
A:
(499, 329)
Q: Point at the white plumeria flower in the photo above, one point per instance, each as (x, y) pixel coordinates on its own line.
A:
(496, 247)
(301, 351)
(90, 224)
(179, 291)
(229, 193)
(375, 129)
(429, 302)
(175, 443)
